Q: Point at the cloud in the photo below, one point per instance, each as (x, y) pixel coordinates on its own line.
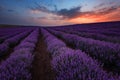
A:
(75, 15)
(100, 5)
(69, 13)
(106, 5)
(50, 22)
(73, 12)
(40, 8)
(66, 13)
(50, 16)
(107, 10)
(110, 14)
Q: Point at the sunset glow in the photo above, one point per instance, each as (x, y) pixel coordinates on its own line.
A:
(82, 20)
(56, 12)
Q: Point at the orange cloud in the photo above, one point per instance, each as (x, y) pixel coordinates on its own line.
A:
(111, 15)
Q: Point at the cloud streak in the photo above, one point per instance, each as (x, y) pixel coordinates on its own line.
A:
(40, 8)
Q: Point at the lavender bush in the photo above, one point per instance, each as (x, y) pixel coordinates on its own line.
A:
(96, 36)
(18, 65)
(14, 40)
(4, 47)
(76, 65)
(53, 44)
(72, 64)
(8, 33)
(29, 41)
(105, 52)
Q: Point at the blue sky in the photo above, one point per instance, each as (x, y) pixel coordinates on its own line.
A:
(58, 12)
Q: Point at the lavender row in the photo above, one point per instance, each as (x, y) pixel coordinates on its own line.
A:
(7, 31)
(104, 32)
(53, 44)
(18, 65)
(91, 29)
(4, 47)
(76, 65)
(106, 53)
(12, 34)
(100, 37)
(96, 36)
(72, 64)
(29, 41)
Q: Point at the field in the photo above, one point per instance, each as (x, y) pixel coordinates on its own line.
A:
(74, 52)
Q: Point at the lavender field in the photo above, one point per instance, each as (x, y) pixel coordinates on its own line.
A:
(74, 52)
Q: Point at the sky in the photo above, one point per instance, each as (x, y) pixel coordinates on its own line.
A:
(58, 12)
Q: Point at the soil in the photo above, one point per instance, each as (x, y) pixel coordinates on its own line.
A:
(42, 69)
(7, 54)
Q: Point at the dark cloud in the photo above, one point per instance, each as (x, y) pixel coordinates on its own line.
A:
(69, 13)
